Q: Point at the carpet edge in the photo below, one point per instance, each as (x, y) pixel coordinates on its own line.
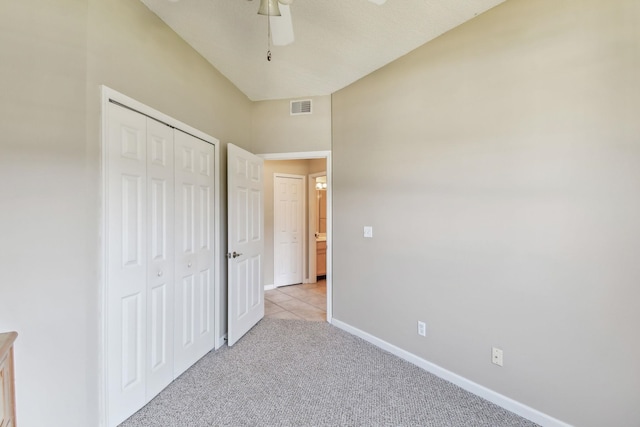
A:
(492, 396)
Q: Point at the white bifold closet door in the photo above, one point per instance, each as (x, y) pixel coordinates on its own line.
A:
(159, 257)
(194, 334)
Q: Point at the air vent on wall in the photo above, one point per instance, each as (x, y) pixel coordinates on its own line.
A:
(301, 107)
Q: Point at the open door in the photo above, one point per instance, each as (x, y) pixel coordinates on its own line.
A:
(245, 206)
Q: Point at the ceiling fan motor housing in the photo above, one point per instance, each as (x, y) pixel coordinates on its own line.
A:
(269, 8)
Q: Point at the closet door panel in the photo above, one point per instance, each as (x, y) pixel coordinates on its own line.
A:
(205, 254)
(194, 249)
(187, 319)
(160, 244)
(126, 262)
(205, 289)
(185, 256)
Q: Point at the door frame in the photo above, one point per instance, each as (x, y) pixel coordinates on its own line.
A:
(304, 155)
(313, 209)
(303, 249)
(109, 95)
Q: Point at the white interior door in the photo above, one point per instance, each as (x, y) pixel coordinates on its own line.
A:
(288, 230)
(245, 241)
(194, 228)
(160, 266)
(126, 262)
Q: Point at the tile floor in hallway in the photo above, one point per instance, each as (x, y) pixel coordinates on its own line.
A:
(307, 301)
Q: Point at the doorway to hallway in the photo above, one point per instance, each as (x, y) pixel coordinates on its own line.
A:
(309, 165)
(302, 302)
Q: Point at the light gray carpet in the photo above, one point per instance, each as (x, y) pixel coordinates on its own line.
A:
(299, 373)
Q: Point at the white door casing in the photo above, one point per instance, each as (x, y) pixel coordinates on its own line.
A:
(288, 230)
(313, 219)
(245, 241)
(194, 252)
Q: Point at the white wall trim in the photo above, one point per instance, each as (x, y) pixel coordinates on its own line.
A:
(300, 155)
(269, 287)
(468, 385)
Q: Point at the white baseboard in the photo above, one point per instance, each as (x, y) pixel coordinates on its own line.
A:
(472, 387)
(269, 287)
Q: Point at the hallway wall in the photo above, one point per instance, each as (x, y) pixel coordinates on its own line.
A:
(274, 130)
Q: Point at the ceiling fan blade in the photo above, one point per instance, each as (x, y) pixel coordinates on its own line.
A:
(282, 27)
(378, 2)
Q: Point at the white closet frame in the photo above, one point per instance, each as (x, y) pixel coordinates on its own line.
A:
(109, 95)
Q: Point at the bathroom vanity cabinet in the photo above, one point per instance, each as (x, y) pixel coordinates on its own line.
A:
(7, 387)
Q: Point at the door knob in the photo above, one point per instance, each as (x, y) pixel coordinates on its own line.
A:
(189, 265)
(160, 273)
(236, 254)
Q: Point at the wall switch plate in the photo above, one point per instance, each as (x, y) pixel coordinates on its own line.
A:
(368, 231)
(496, 356)
(422, 329)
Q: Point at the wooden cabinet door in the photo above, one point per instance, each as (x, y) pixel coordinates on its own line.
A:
(7, 402)
(321, 258)
(4, 407)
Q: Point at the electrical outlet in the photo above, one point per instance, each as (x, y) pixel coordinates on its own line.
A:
(368, 231)
(422, 329)
(496, 356)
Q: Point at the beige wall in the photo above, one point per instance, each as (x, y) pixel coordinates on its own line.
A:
(274, 130)
(317, 165)
(54, 57)
(47, 226)
(506, 214)
(499, 166)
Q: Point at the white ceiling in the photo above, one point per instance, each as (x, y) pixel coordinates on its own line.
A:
(336, 41)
